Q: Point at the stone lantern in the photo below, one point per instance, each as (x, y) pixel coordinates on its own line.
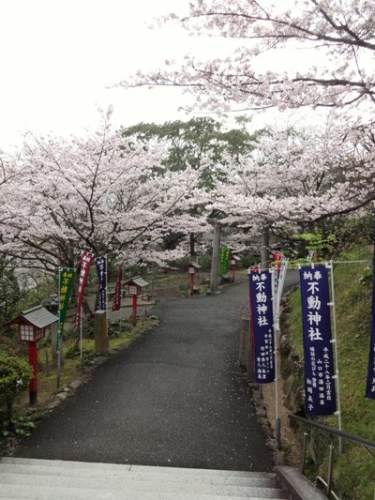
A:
(134, 287)
(192, 269)
(32, 324)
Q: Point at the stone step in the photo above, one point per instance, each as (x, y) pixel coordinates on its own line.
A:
(136, 472)
(52, 493)
(45, 479)
(120, 484)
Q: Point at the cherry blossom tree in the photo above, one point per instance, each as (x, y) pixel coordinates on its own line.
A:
(10, 292)
(338, 37)
(293, 177)
(95, 194)
(341, 31)
(199, 143)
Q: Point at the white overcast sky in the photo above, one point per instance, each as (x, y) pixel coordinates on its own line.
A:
(58, 58)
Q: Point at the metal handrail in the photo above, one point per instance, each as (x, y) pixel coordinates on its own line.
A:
(336, 432)
(368, 445)
(325, 484)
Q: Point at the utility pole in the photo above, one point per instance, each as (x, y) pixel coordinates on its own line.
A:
(214, 282)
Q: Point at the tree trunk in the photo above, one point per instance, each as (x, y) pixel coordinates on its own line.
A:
(265, 249)
(9, 404)
(90, 315)
(192, 244)
(215, 259)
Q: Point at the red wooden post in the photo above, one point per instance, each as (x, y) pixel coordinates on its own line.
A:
(134, 309)
(33, 361)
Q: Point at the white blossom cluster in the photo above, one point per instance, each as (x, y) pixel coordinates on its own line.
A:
(288, 177)
(61, 196)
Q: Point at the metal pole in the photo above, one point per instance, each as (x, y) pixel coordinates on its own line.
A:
(279, 290)
(215, 258)
(152, 282)
(304, 449)
(277, 287)
(120, 298)
(134, 309)
(106, 295)
(330, 469)
(276, 357)
(119, 322)
(334, 342)
(81, 336)
(58, 350)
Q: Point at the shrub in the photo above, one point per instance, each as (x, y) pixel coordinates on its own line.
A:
(15, 373)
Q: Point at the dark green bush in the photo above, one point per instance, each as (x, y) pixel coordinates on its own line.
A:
(15, 373)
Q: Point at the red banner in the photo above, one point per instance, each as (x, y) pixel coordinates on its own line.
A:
(116, 304)
(86, 259)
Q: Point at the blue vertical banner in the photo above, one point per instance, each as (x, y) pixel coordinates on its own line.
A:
(261, 315)
(101, 268)
(370, 386)
(320, 393)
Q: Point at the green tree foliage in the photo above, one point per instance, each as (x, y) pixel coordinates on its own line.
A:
(199, 143)
(333, 235)
(322, 245)
(15, 374)
(351, 231)
(190, 143)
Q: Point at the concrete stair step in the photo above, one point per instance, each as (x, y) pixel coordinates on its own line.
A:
(46, 479)
(138, 473)
(52, 493)
(99, 466)
(115, 484)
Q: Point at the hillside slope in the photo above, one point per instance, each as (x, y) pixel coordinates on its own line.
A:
(354, 470)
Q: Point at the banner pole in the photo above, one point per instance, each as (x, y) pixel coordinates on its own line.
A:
(335, 349)
(58, 350)
(119, 310)
(119, 322)
(81, 336)
(86, 259)
(106, 296)
(276, 358)
(370, 383)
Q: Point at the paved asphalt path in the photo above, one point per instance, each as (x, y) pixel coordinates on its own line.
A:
(174, 398)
